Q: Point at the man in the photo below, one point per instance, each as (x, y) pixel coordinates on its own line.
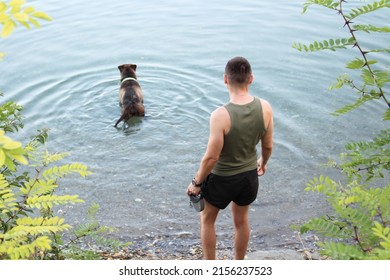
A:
(229, 169)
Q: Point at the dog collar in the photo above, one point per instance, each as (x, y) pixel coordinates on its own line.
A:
(129, 79)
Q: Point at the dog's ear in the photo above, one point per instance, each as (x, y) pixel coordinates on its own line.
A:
(120, 67)
(133, 66)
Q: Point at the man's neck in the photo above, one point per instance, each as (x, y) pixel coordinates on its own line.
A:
(240, 96)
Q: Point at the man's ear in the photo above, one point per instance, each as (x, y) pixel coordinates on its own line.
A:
(251, 78)
(225, 79)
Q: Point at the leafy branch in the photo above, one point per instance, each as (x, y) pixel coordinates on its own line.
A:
(374, 80)
(359, 227)
(13, 14)
(370, 77)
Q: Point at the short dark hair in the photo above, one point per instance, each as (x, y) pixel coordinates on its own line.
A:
(238, 70)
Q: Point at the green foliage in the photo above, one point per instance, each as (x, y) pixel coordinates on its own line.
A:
(374, 81)
(13, 13)
(10, 117)
(361, 220)
(365, 9)
(91, 230)
(359, 225)
(370, 28)
(341, 251)
(331, 44)
(325, 3)
(29, 229)
(22, 235)
(367, 160)
(10, 151)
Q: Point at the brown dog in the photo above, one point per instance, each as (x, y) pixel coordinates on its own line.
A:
(130, 94)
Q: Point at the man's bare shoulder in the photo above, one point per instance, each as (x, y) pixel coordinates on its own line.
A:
(266, 105)
(267, 109)
(220, 112)
(220, 120)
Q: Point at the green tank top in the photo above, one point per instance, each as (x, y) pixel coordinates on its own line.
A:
(239, 152)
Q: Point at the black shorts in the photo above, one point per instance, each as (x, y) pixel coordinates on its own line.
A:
(221, 190)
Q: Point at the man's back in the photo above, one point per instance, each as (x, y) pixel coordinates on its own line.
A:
(246, 129)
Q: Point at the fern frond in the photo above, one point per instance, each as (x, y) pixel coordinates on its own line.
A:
(25, 230)
(50, 158)
(325, 3)
(8, 201)
(375, 78)
(326, 227)
(358, 63)
(40, 221)
(370, 28)
(36, 226)
(47, 201)
(341, 81)
(323, 185)
(357, 217)
(109, 242)
(331, 44)
(350, 107)
(386, 115)
(340, 251)
(368, 9)
(92, 211)
(62, 171)
(16, 251)
(383, 233)
(86, 229)
(381, 50)
(38, 187)
(40, 157)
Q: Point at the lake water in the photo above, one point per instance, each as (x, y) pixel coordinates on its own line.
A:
(66, 76)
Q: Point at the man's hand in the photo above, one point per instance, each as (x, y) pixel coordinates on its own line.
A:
(261, 168)
(192, 190)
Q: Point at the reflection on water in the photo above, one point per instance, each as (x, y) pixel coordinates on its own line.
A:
(66, 76)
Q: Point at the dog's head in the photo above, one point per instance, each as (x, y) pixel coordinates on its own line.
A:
(128, 70)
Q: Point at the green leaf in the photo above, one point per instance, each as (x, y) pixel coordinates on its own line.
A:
(356, 64)
(386, 116)
(325, 3)
(381, 50)
(3, 7)
(19, 158)
(370, 28)
(11, 145)
(367, 9)
(41, 15)
(35, 22)
(16, 3)
(21, 17)
(2, 157)
(29, 10)
(8, 28)
(350, 107)
(381, 77)
(368, 77)
(331, 44)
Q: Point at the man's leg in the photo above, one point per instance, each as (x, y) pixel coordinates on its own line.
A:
(242, 230)
(207, 231)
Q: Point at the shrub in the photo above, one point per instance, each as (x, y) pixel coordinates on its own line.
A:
(359, 225)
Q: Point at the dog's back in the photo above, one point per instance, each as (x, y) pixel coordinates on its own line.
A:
(130, 94)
